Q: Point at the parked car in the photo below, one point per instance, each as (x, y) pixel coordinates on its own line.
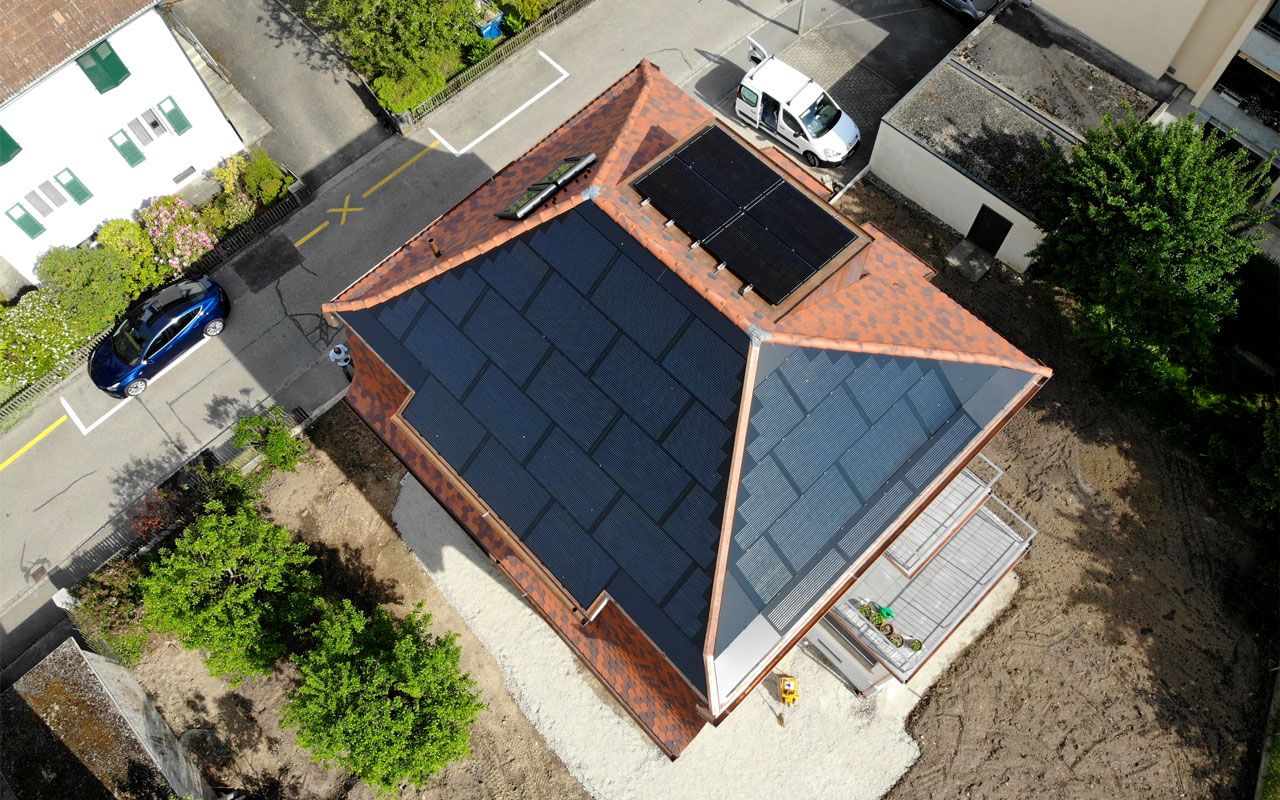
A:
(976, 10)
(155, 331)
(778, 99)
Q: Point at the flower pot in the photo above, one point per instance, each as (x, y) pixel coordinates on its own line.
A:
(866, 610)
(896, 640)
(887, 629)
(876, 619)
(915, 645)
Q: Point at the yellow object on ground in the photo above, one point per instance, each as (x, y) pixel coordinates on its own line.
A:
(790, 689)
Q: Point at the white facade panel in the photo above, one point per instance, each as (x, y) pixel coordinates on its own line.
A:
(948, 193)
(63, 122)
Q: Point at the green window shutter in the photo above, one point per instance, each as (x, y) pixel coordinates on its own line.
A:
(23, 219)
(127, 148)
(177, 120)
(74, 187)
(8, 147)
(103, 67)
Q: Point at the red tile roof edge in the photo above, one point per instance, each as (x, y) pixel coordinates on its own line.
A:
(880, 348)
(793, 169)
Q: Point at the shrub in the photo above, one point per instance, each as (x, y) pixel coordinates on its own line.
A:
(176, 231)
(228, 174)
(415, 88)
(272, 436)
(393, 37)
(479, 49)
(127, 238)
(263, 177)
(384, 698)
(528, 10)
(512, 22)
(212, 219)
(34, 337)
(111, 611)
(224, 485)
(93, 284)
(237, 208)
(233, 586)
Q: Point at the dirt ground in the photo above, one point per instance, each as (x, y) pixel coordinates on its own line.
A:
(1117, 671)
(341, 505)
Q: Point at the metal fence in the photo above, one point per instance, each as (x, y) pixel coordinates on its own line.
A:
(553, 16)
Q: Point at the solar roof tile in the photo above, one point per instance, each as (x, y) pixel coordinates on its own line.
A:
(709, 368)
(455, 292)
(763, 570)
(695, 526)
(444, 423)
(811, 232)
(689, 605)
(875, 519)
(576, 249)
(774, 413)
(573, 479)
(800, 597)
(507, 412)
(515, 271)
(444, 351)
(642, 549)
(812, 519)
(571, 400)
(388, 347)
(942, 450)
(700, 443)
(643, 389)
(506, 337)
(932, 401)
(645, 311)
(399, 313)
(875, 457)
(572, 556)
(816, 443)
(812, 373)
(572, 324)
(764, 495)
(673, 642)
(635, 461)
(507, 487)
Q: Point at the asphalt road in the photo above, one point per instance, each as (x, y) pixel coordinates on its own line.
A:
(64, 498)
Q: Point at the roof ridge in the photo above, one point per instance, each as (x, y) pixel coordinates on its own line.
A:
(609, 162)
(908, 351)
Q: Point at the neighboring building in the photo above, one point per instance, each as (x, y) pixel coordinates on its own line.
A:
(100, 110)
(967, 143)
(79, 726)
(685, 453)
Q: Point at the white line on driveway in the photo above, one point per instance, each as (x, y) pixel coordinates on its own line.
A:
(507, 118)
(89, 429)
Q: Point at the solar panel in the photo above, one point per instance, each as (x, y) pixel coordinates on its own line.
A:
(684, 196)
(738, 175)
(815, 235)
(759, 258)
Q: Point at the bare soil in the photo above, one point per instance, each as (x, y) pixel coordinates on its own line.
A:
(341, 505)
(1118, 670)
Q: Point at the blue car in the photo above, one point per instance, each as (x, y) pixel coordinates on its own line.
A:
(154, 332)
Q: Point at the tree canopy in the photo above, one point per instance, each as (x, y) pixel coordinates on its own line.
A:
(384, 698)
(233, 585)
(1145, 224)
(397, 37)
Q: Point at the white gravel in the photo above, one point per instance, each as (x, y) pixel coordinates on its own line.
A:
(833, 744)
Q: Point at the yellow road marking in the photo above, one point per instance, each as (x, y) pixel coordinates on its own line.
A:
(345, 210)
(32, 443)
(401, 168)
(317, 229)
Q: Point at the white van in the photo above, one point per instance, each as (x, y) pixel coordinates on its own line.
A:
(782, 101)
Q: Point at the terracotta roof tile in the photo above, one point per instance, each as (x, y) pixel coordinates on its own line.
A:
(39, 35)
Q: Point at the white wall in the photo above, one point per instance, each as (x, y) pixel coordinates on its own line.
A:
(63, 122)
(947, 193)
(1146, 33)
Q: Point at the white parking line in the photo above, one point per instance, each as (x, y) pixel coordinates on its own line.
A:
(86, 430)
(509, 117)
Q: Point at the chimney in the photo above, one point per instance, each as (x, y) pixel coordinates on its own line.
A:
(435, 248)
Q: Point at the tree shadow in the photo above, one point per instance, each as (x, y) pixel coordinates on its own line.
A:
(223, 410)
(232, 718)
(344, 574)
(284, 28)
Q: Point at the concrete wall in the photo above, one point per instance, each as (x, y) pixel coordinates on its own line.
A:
(63, 122)
(150, 728)
(1215, 40)
(946, 192)
(1146, 33)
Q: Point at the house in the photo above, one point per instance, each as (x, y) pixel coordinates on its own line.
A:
(100, 110)
(967, 142)
(684, 405)
(77, 725)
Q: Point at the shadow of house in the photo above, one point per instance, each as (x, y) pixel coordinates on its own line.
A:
(968, 142)
(79, 726)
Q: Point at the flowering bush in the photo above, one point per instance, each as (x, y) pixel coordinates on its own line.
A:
(34, 337)
(237, 208)
(229, 173)
(264, 179)
(175, 229)
(127, 238)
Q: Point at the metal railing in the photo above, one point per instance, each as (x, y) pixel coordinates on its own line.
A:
(1011, 519)
(552, 17)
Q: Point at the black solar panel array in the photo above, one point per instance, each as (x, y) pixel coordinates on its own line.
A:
(762, 228)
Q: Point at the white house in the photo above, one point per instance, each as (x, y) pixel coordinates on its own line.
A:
(100, 110)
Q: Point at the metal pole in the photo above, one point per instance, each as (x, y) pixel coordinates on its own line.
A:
(800, 22)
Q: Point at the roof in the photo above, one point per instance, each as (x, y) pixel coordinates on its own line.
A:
(37, 36)
(779, 77)
(647, 430)
(1019, 81)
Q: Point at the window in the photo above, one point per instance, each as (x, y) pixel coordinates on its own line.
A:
(177, 120)
(154, 124)
(789, 123)
(140, 132)
(8, 147)
(23, 219)
(128, 150)
(53, 194)
(747, 96)
(103, 67)
(68, 181)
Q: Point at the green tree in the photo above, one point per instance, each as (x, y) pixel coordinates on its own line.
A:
(272, 436)
(233, 585)
(127, 238)
(95, 285)
(384, 698)
(1145, 225)
(396, 37)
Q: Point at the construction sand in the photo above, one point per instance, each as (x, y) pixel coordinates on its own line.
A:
(833, 744)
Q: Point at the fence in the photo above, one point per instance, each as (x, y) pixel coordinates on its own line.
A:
(553, 16)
